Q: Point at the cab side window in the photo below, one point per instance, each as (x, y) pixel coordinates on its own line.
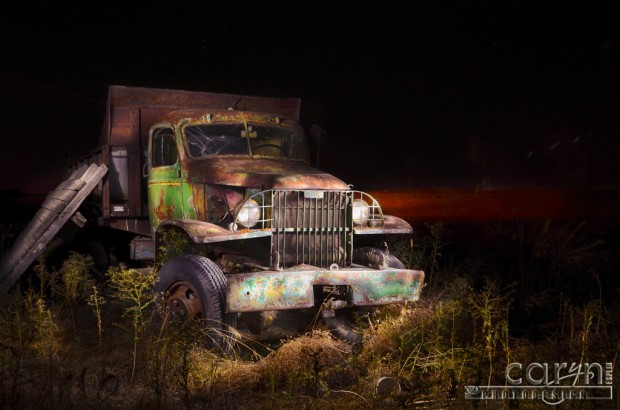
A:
(164, 148)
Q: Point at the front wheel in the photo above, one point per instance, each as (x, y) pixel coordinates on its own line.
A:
(194, 288)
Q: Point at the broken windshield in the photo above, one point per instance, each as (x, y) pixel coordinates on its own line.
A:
(257, 140)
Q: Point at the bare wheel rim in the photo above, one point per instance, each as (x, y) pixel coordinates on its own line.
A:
(184, 300)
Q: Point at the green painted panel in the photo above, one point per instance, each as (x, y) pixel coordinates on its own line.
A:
(293, 289)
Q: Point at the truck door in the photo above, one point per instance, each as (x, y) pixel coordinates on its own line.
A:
(164, 181)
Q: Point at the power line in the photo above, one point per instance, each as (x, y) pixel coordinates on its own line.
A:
(50, 87)
(50, 94)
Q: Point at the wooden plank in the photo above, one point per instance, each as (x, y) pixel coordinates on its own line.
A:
(79, 171)
(54, 205)
(65, 195)
(47, 222)
(92, 169)
(72, 184)
(41, 221)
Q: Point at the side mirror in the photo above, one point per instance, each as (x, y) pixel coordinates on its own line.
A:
(318, 134)
(145, 170)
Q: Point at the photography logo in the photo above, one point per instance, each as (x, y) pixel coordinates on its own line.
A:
(553, 384)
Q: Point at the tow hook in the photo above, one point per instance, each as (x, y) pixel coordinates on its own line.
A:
(331, 305)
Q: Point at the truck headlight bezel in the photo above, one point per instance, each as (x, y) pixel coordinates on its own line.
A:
(248, 214)
(360, 212)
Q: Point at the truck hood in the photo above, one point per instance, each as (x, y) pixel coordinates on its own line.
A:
(266, 173)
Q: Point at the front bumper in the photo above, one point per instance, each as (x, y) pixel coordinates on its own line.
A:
(294, 288)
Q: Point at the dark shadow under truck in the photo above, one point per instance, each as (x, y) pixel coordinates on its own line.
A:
(261, 230)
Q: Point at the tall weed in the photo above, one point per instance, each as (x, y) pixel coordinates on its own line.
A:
(134, 290)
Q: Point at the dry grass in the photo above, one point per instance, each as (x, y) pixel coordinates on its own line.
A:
(104, 347)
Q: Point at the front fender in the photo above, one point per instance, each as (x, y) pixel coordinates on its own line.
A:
(205, 232)
(391, 225)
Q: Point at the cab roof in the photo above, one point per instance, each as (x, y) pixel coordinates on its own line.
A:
(202, 115)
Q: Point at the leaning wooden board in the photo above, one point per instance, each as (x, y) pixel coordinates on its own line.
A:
(57, 208)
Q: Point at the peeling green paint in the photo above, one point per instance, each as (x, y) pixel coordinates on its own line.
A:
(293, 289)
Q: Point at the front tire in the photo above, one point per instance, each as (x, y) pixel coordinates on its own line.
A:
(194, 288)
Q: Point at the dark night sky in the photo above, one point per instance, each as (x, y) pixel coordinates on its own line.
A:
(412, 94)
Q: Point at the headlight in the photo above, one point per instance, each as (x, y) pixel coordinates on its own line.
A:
(361, 211)
(248, 214)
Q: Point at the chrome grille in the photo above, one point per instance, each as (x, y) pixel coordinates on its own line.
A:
(311, 230)
(311, 227)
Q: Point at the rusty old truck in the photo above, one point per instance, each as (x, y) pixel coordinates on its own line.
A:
(261, 231)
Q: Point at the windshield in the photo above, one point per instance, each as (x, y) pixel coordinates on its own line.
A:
(257, 140)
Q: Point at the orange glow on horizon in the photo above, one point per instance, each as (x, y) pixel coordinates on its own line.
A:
(481, 205)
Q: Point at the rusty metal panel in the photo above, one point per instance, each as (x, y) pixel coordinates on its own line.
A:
(141, 248)
(48, 221)
(119, 179)
(256, 172)
(124, 129)
(140, 97)
(152, 103)
(135, 182)
(105, 194)
(135, 225)
(205, 232)
(124, 158)
(293, 289)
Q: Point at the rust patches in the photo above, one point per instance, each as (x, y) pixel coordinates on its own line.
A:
(215, 203)
(198, 202)
(293, 289)
(302, 181)
(196, 116)
(204, 232)
(232, 197)
(257, 172)
(391, 225)
(162, 210)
